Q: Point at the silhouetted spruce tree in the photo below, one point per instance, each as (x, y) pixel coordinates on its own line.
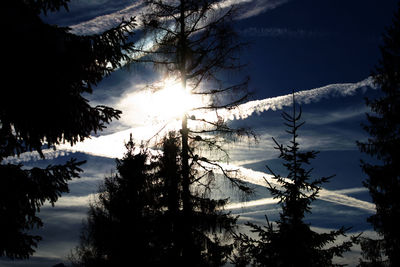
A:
(383, 126)
(291, 242)
(122, 221)
(47, 71)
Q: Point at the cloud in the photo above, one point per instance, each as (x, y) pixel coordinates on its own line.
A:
(33, 156)
(104, 22)
(337, 197)
(253, 203)
(74, 201)
(281, 32)
(324, 138)
(257, 7)
(302, 97)
(335, 116)
(111, 146)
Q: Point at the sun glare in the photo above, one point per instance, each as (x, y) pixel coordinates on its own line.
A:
(172, 101)
(151, 107)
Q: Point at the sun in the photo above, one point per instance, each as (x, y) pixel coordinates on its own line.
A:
(172, 101)
(166, 102)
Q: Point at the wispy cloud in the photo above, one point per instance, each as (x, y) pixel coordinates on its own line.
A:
(337, 197)
(99, 24)
(74, 201)
(281, 32)
(253, 203)
(323, 118)
(342, 199)
(257, 7)
(105, 22)
(302, 97)
(33, 156)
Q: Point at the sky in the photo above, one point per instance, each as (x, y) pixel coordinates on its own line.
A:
(324, 50)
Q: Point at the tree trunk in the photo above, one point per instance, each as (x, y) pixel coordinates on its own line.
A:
(186, 201)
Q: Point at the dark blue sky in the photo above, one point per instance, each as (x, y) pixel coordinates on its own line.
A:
(320, 42)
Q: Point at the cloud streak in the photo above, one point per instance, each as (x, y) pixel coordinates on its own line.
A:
(281, 32)
(257, 7)
(335, 116)
(74, 201)
(302, 97)
(101, 23)
(333, 196)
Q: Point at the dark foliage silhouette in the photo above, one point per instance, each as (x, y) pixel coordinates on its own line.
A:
(138, 215)
(383, 126)
(47, 69)
(22, 193)
(372, 252)
(121, 225)
(291, 242)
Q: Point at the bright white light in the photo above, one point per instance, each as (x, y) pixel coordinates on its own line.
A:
(166, 103)
(173, 101)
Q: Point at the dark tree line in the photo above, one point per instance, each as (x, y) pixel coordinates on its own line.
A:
(138, 217)
(47, 71)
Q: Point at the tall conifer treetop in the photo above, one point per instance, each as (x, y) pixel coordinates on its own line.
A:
(291, 242)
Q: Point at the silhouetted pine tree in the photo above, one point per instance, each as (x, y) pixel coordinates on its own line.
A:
(47, 71)
(383, 127)
(122, 221)
(292, 242)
